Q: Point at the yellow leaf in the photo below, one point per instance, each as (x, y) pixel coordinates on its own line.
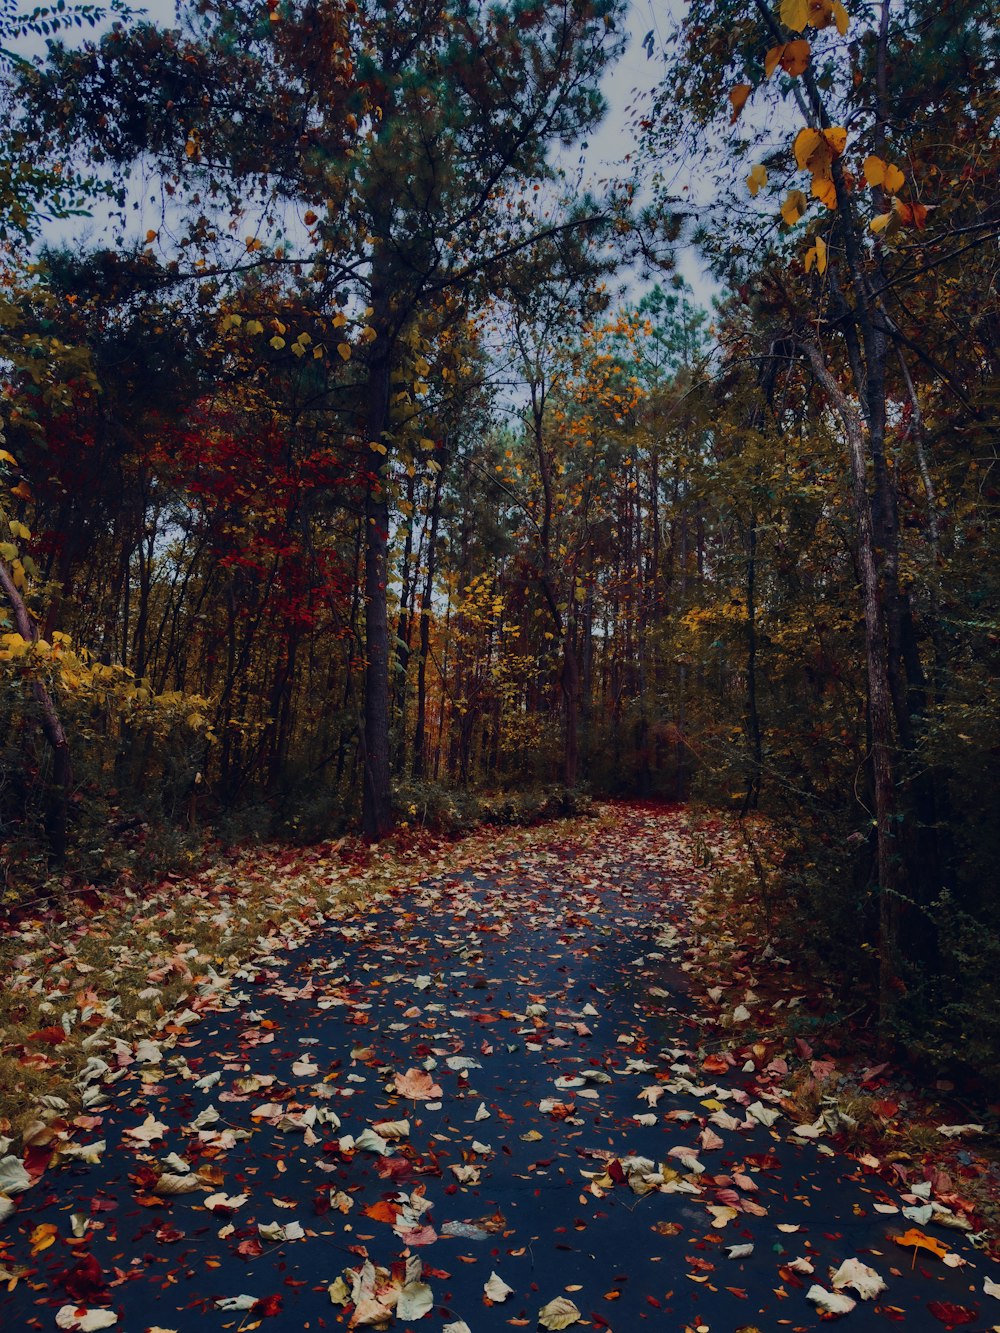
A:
(894, 179)
(298, 349)
(43, 1236)
(339, 320)
(840, 17)
(874, 169)
(738, 97)
(6, 457)
(8, 550)
(376, 447)
(345, 350)
(880, 222)
(806, 143)
(817, 255)
(422, 367)
(151, 237)
(254, 326)
(793, 58)
(919, 1240)
(757, 178)
(277, 342)
(825, 191)
(836, 137)
(304, 338)
(793, 207)
(795, 14)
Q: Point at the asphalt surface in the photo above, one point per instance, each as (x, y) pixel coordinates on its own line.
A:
(543, 998)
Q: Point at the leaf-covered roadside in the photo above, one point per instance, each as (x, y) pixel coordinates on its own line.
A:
(489, 1099)
(756, 985)
(88, 980)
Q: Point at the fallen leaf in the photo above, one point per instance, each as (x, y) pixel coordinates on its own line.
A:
(853, 1273)
(79, 1318)
(418, 1085)
(496, 1290)
(831, 1302)
(559, 1313)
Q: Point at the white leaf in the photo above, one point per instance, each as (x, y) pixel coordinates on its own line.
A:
(150, 1129)
(465, 1175)
(459, 1326)
(13, 1177)
(812, 1131)
(496, 1289)
(372, 1142)
(226, 1201)
(830, 1301)
(559, 1313)
(482, 1114)
(392, 1129)
(415, 1300)
(763, 1114)
(853, 1273)
(739, 1251)
(236, 1303)
(741, 1014)
(78, 1317)
(991, 1288)
(170, 1183)
(957, 1131)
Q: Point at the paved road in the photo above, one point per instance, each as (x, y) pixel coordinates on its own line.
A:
(529, 1024)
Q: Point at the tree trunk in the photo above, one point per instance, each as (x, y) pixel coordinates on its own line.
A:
(377, 800)
(571, 699)
(879, 703)
(752, 798)
(419, 737)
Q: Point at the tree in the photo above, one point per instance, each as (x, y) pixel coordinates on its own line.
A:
(419, 154)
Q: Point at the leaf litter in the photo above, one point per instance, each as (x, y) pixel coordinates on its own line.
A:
(641, 1157)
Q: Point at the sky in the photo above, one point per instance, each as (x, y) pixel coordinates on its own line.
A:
(634, 73)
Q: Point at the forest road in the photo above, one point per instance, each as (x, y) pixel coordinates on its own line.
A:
(469, 1100)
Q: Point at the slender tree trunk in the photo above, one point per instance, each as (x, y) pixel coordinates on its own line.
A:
(571, 699)
(419, 737)
(879, 700)
(377, 799)
(752, 797)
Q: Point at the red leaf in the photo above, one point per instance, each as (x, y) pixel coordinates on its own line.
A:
(53, 1036)
(267, 1305)
(84, 1283)
(951, 1314)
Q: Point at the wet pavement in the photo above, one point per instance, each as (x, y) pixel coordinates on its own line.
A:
(475, 1097)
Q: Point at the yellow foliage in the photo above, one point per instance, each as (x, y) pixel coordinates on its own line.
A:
(757, 178)
(817, 255)
(794, 207)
